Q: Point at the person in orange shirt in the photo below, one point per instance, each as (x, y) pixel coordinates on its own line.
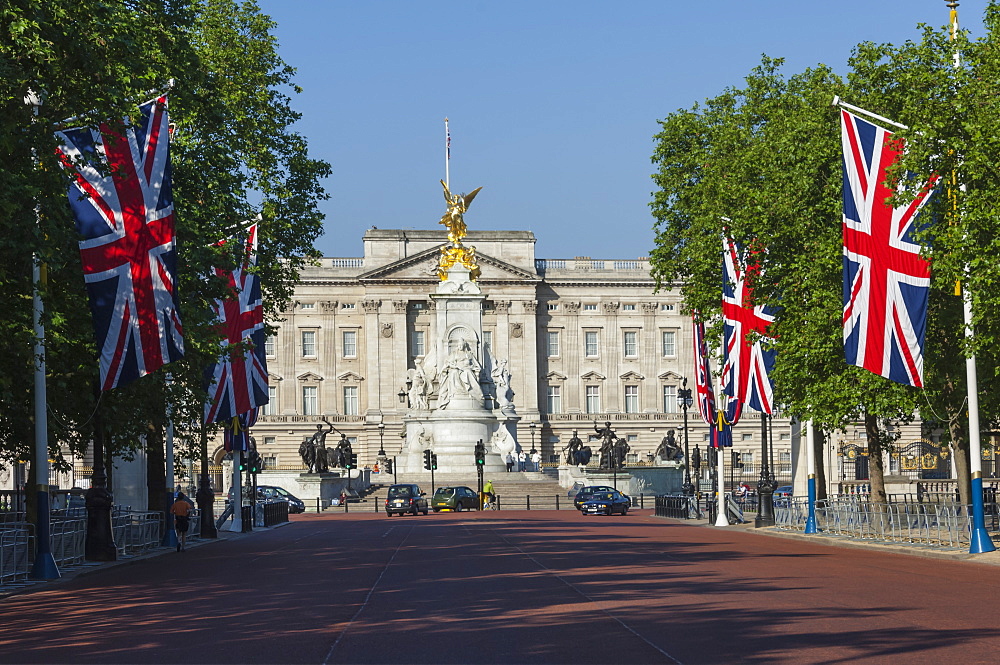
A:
(181, 510)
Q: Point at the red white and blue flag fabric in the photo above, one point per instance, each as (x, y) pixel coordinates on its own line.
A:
(237, 382)
(886, 282)
(236, 435)
(123, 206)
(746, 374)
(719, 423)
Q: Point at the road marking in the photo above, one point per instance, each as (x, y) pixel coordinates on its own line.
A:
(389, 531)
(371, 591)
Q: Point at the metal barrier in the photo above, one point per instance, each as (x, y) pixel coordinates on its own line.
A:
(274, 513)
(930, 524)
(15, 542)
(136, 532)
(678, 506)
(69, 537)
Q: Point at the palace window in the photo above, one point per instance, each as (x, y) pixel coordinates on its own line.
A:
(631, 399)
(351, 400)
(631, 344)
(593, 399)
(669, 343)
(669, 399)
(553, 399)
(552, 339)
(310, 401)
(417, 343)
(270, 346)
(308, 343)
(590, 343)
(350, 338)
(271, 407)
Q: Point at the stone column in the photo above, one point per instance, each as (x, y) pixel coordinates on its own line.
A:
(611, 353)
(649, 354)
(571, 352)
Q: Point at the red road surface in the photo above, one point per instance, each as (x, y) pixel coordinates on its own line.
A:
(512, 587)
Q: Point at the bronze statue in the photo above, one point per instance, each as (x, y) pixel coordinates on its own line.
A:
(668, 450)
(573, 449)
(313, 450)
(607, 443)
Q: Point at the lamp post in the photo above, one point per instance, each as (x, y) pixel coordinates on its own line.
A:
(685, 401)
(402, 394)
(696, 463)
(381, 434)
(765, 486)
(532, 427)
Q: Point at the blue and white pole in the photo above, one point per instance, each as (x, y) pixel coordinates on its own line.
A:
(811, 472)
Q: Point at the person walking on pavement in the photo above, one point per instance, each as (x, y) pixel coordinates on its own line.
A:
(181, 510)
(510, 462)
(522, 460)
(536, 460)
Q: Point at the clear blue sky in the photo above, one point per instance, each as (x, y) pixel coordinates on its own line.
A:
(553, 104)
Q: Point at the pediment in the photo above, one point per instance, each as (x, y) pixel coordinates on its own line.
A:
(555, 376)
(668, 376)
(632, 376)
(593, 376)
(271, 376)
(422, 267)
(350, 376)
(309, 376)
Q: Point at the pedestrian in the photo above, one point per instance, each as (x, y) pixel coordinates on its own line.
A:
(510, 462)
(522, 460)
(343, 497)
(181, 510)
(488, 491)
(536, 460)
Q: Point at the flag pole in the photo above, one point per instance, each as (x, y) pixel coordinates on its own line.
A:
(811, 474)
(838, 102)
(44, 567)
(447, 155)
(979, 538)
(720, 466)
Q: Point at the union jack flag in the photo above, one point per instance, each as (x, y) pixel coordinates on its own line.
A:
(124, 210)
(720, 422)
(237, 382)
(746, 374)
(886, 282)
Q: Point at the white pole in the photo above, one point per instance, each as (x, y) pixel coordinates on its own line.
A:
(811, 473)
(447, 155)
(720, 467)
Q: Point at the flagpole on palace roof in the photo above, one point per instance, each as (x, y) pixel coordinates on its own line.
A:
(979, 538)
(447, 155)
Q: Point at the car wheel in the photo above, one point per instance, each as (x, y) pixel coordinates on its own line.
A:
(458, 506)
(624, 511)
(436, 510)
(415, 511)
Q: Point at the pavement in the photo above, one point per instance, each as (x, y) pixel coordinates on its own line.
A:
(918, 550)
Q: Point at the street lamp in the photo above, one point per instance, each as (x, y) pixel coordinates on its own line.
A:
(381, 434)
(685, 401)
(532, 427)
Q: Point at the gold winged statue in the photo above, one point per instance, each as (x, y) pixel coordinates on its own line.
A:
(458, 204)
(454, 220)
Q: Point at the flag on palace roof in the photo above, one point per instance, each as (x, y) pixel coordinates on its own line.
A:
(122, 203)
(746, 374)
(886, 281)
(237, 382)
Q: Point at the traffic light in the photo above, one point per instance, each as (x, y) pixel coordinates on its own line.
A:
(737, 460)
(427, 459)
(352, 461)
(480, 453)
(434, 461)
(244, 460)
(254, 462)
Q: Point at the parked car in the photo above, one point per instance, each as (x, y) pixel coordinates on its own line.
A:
(782, 495)
(266, 493)
(586, 492)
(405, 498)
(275, 493)
(606, 503)
(454, 498)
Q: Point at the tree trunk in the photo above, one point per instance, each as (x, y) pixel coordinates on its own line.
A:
(819, 450)
(876, 463)
(960, 449)
(156, 473)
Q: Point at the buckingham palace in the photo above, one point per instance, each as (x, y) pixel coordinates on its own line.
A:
(585, 339)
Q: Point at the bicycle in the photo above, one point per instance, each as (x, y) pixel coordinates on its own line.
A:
(490, 505)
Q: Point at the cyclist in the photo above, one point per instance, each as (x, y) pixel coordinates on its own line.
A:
(488, 493)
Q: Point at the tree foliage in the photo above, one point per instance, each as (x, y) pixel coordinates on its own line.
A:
(235, 157)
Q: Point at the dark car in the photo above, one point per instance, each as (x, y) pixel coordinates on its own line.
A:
(454, 498)
(586, 492)
(783, 495)
(275, 493)
(606, 503)
(405, 498)
(269, 493)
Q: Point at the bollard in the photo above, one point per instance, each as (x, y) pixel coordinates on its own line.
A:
(375, 503)
(345, 505)
(557, 502)
(527, 500)
(642, 501)
(317, 505)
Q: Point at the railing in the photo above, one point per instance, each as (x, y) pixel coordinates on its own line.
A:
(541, 265)
(548, 502)
(136, 532)
(677, 506)
(69, 536)
(932, 524)
(274, 513)
(347, 263)
(15, 544)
